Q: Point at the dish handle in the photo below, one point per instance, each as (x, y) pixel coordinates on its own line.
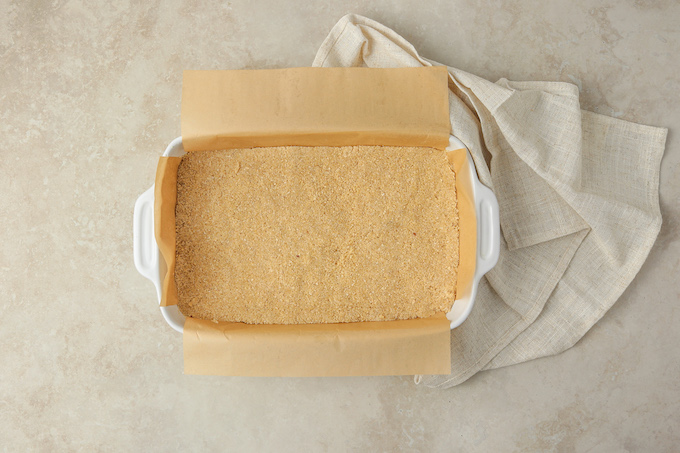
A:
(489, 231)
(146, 253)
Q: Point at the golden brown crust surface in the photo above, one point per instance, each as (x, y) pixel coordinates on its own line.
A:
(293, 235)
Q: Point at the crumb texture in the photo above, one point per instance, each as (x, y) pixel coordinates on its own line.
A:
(294, 235)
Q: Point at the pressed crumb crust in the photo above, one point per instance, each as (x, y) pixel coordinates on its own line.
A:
(295, 235)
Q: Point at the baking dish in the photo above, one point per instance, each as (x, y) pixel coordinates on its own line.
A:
(484, 205)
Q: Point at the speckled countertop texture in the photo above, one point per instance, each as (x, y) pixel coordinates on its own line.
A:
(89, 98)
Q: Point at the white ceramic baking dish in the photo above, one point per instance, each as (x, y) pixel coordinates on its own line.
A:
(149, 263)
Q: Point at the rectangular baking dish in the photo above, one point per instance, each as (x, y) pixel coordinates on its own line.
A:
(149, 264)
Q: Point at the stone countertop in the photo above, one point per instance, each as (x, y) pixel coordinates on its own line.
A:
(89, 98)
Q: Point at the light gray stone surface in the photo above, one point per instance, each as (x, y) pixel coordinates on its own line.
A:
(89, 98)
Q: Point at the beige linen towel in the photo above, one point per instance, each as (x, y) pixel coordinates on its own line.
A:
(578, 195)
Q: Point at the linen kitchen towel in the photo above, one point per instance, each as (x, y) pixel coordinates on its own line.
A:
(578, 195)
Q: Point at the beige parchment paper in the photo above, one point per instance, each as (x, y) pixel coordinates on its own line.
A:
(312, 107)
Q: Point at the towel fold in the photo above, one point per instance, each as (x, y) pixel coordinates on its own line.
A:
(578, 195)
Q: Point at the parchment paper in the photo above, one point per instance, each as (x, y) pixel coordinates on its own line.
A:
(233, 109)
